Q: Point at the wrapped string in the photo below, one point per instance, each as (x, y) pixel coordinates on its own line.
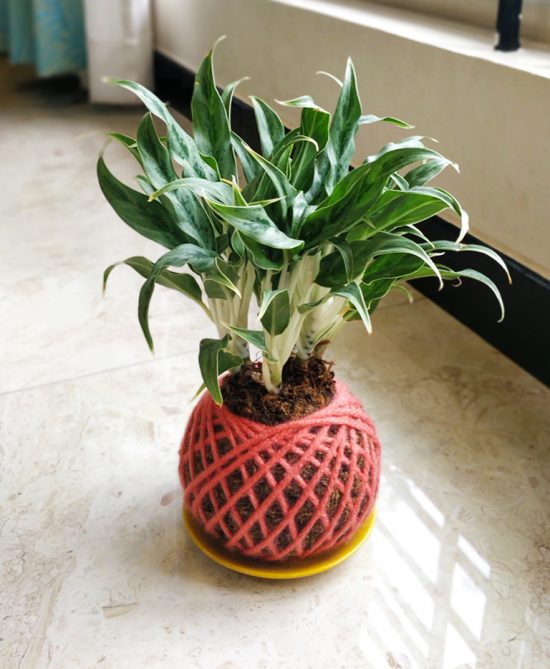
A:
(272, 492)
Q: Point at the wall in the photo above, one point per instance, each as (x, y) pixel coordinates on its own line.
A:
(491, 118)
(535, 21)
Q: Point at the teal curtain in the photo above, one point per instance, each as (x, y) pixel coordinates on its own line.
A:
(48, 33)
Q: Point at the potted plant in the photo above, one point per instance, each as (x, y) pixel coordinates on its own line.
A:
(284, 247)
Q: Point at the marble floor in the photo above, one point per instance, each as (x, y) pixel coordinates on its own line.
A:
(96, 568)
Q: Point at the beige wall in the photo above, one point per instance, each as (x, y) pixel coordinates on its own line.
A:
(490, 118)
(535, 22)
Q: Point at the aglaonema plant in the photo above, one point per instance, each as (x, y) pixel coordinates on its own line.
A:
(290, 230)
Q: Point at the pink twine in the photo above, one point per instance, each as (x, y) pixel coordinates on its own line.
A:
(272, 492)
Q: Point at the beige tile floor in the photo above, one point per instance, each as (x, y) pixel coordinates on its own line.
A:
(96, 569)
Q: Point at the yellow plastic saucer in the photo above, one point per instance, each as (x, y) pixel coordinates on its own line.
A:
(292, 568)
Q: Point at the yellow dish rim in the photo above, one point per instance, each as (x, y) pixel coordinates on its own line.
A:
(292, 568)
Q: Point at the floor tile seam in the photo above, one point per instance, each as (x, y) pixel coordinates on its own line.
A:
(107, 370)
(79, 377)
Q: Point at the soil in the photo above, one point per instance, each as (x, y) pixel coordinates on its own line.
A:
(308, 385)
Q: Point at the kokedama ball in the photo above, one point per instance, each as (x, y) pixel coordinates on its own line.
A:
(272, 492)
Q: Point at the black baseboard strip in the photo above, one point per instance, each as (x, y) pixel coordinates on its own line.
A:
(523, 336)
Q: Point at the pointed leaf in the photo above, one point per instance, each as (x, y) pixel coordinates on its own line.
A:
(303, 101)
(396, 208)
(283, 151)
(393, 266)
(447, 273)
(315, 123)
(249, 165)
(353, 294)
(254, 222)
(213, 361)
(263, 257)
(210, 121)
(332, 270)
(228, 93)
(190, 217)
(225, 275)
(473, 248)
(347, 256)
(344, 125)
(270, 126)
(181, 146)
(150, 219)
(374, 291)
(275, 311)
(254, 337)
(201, 188)
(201, 260)
(127, 142)
(184, 283)
(423, 173)
(272, 183)
(349, 202)
(367, 119)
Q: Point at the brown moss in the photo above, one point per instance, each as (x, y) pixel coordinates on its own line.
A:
(308, 385)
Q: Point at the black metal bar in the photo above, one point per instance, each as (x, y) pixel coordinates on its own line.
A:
(508, 25)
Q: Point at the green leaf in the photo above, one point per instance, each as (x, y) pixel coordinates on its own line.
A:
(270, 126)
(150, 219)
(201, 187)
(346, 252)
(254, 337)
(183, 283)
(227, 95)
(308, 306)
(223, 274)
(254, 222)
(473, 248)
(334, 161)
(181, 146)
(478, 276)
(396, 208)
(303, 101)
(392, 266)
(300, 211)
(145, 186)
(213, 361)
(356, 193)
(349, 202)
(273, 183)
(332, 271)
(275, 311)
(128, 142)
(249, 165)
(210, 120)
(201, 260)
(190, 217)
(214, 289)
(367, 119)
(331, 76)
(353, 294)
(374, 291)
(237, 243)
(154, 155)
(264, 258)
(397, 155)
(423, 173)
(399, 181)
(315, 123)
(344, 126)
(447, 273)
